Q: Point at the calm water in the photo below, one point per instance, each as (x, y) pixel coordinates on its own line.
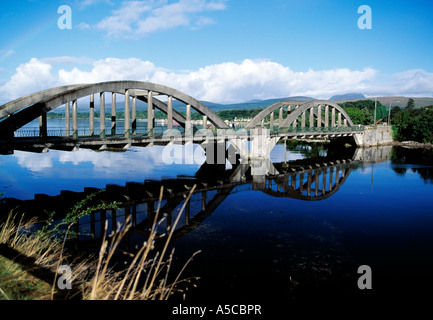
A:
(261, 246)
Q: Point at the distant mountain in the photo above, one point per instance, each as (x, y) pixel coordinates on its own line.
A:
(347, 96)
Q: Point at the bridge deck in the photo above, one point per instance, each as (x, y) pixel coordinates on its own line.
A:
(30, 139)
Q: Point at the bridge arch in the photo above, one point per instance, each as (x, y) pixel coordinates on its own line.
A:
(19, 112)
(269, 110)
(322, 113)
(314, 184)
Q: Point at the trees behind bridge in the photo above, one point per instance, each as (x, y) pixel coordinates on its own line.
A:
(362, 111)
(414, 124)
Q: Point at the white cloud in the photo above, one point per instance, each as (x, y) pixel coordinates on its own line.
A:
(135, 19)
(259, 79)
(223, 83)
(29, 77)
(83, 26)
(110, 69)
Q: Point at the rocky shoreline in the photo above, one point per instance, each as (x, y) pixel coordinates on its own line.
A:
(412, 144)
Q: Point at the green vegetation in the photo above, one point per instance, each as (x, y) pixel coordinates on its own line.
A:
(420, 160)
(240, 114)
(93, 278)
(310, 149)
(414, 124)
(362, 111)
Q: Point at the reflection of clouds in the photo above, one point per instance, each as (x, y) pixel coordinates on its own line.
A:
(29, 161)
(277, 154)
(136, 159)
(113, 161)
(51, 172)
(186, 154)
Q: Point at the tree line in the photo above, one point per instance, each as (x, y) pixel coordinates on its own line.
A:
(413, 124)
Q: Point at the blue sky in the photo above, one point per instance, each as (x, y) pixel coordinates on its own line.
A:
(221, 50)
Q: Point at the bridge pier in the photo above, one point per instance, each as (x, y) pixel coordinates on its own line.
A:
(374, 136)
(326, 116)
(150, 115)
(113, 114)
(188, 123)
(67, 119)
(92, 115)
(134, 115)
(102, 115)
(127, 115)
(43, 126)
(260, 144)
(74, 119)
(260, 169)
(170, 112)
(333, 117)
(217, 152)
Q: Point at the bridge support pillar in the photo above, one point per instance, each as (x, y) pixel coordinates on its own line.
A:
(150, 118)
(134, 115)
(170, 112)
(260, 146)
(43, 126)
(333, 118)
(188, 124)
(92, 115)
(271, 122)
(74, 119)
(259, 169)
(303, 120)
(241, 146)
(6, 138)
(216, 152)
(205, 123)
(113, 113)
(67, 119)
(311, 118)
(127, 115)
(102, 115)
(295, 123)
(373, 137)
(326, 117)
(280, 117)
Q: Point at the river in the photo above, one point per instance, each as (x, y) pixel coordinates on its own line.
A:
(260, 242)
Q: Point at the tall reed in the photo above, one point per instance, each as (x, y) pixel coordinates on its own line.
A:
(146, 278)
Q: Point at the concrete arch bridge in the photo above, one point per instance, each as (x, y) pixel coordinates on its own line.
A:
(119, 124)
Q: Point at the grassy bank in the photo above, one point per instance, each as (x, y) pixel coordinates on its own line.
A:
(30, 262)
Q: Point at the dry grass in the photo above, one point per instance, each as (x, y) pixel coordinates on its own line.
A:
(146, 278)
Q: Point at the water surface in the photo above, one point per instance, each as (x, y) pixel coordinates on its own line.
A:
(256, 246)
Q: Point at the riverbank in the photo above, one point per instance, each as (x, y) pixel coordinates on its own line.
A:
(36, 265)
(413, 144)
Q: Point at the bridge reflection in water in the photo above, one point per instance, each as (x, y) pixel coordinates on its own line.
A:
(138, 203)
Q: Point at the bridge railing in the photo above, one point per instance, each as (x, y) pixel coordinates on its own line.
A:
(341, 129)
(87, 133)
(160, 131)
